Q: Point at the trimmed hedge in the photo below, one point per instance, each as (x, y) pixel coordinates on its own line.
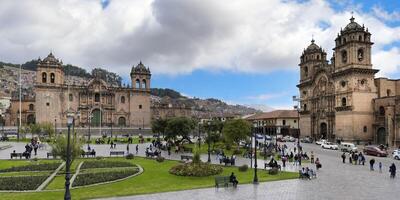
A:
(198, 170)
(39, 167)
(105, 164)
(21, 182)
(100, 177)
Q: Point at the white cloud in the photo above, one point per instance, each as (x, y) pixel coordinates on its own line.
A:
(174, 36)
(385, 15)
(268, 96)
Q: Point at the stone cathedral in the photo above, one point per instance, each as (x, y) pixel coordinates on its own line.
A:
(342, 99)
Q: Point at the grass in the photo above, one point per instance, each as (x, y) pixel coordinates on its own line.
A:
(5, 164)
(26, 173)
(154, 179)
(57, 183)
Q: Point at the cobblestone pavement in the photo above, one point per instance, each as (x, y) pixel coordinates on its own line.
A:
(335, 180)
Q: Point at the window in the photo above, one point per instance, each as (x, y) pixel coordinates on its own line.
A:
(381, 111)
(52, 78)
(144, 83)
(71, 97)
(360, 38)
(344, 56)
(97, 97)
(122, 99)
(343, 83)
(44, 77)
(140, 106)
(295, 121)
(360, 54)
(388, 92)
(317, 57)
(365, 129)
(47, 104)
(362, 82)
(284, 122)
(305, 107)
(344, 101)
(31, 107)
(306, 71)
(137, 83)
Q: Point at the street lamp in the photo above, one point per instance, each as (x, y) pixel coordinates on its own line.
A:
(70, 121)
(2, 124)
(198, 138)
(90, 121)
(255, 180)
(55, 126)
(208, 142)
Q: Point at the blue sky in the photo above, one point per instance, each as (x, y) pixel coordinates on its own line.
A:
(239, 51)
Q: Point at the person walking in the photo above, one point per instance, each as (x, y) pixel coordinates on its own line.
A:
(344, 157)
(312, 157)
(127, 148)
(284, 158)
(350, 159)
(380, 167)
(317, 164)
(392, 170)
(371, 164)
(137, 148)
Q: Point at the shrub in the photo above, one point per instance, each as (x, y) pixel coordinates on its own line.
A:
(160, 159)
(100, 177)
(36, 167)
(228, 146)
(243, 168)
(105, 164)
(99, 158)
(198, 170)
(237, 152)
(196, 158)
(130, 156)
(21, 182)
(148, 139)
(273, 171)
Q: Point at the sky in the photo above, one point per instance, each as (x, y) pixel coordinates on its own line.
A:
(240, 51)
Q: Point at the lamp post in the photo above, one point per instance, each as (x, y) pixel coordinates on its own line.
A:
(70, 121)
(208, 143)
(90, 122)
(2, 124)
(198, 138)
(255, 180)
(55, 126)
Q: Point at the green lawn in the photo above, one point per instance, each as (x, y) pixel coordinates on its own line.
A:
(4, 164)
(155, 178)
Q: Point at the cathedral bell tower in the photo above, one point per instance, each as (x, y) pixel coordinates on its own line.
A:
(140, 77)
(312, 58)
(49, 71)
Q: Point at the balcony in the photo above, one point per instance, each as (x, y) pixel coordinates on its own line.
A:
(344, 108)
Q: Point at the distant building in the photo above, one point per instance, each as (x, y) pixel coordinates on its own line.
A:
(285, 122)
(94, 102)
(342, 100)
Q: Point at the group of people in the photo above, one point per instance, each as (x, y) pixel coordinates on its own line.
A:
(308, 173)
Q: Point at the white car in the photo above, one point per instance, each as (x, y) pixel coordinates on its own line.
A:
(396, 154)
(329, 145)
(348, 147)
(320, 142)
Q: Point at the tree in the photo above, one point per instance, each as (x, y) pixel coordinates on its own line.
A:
(236, 130)
(179, 126)
(59, 148)
(48, 129)
(213, 130)
(159, 126)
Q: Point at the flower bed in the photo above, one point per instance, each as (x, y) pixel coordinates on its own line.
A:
(105, 164)
(100, 177)
(21, 182)
(38, 167)
(198, 169)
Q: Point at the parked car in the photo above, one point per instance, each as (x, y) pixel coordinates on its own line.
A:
(348, 147)
(329, 145)
(289, 139)
(396, 154)
(320, 142)
(307, 140)
(374, 151)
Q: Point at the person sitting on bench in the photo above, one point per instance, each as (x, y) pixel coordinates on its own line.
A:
(305, 172)
(233, 180)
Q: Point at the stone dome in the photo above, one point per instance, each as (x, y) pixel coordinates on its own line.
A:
(50, 60)
(312, 46)
(352, 25)
(140, 69)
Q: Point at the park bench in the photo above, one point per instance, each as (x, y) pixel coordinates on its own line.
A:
(117, 153)
(16, 155)
(222, 180)
(226, 161)
(49, 154)
(186, 157)
(88, 153)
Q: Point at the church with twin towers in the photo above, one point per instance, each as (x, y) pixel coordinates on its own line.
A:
(341, 99)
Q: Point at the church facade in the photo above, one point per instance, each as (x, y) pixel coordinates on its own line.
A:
(342, 99)
(95, 102)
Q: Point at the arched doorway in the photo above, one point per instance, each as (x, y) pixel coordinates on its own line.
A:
(323, 130)
(381, 136)
(96, 120)
(121, 121)
(30, 119)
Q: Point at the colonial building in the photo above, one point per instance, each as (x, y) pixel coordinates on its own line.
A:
(341, 99)
(285, 122)
(95, 102)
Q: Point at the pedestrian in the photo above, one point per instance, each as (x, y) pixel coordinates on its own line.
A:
(127, 148)
(344, 157)
(299, 159)
(350, 159)
(312, 157)
(169, 149)
(371, 164)
(137, 148)
(284, 158)
(112, 144)
(392, 170)
(296, 157)
(318, 163)
(380, 167)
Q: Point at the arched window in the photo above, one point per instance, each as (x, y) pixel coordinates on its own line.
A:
(344, 40)
(52, 78)
(344, 101)
(97, 97)
(306, 71)
(137, 83)
(365, 129)
(140, 106)
(122, 99)
(31, 107)
(388, 92)
(122, 121)
(381, 111)
(144, 83)
(71, 97)
(344, 56)
(44, 77)
(360, 38)
(360, 54)
(317, 57)
(305, 107)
